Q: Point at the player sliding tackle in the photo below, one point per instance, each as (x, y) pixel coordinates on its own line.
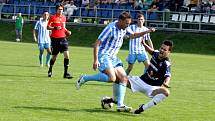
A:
(154, 83)
(105, 57)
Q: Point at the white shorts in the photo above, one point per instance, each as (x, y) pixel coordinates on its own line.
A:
(138, 85)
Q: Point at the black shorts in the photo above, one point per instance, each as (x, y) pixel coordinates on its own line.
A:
(59, 45)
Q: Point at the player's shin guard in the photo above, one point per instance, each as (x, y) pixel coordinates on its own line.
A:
(41, 58)
(101, 77)
(48, 57)
(121, 94)
(115, 91)
(66, 65)
(155, 100)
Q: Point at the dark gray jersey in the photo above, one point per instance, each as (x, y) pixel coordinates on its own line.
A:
(157, 71)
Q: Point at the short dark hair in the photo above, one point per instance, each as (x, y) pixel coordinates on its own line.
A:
(124, 15)
(45, 11)
(59, 5)
(140, 15)
(168, 43)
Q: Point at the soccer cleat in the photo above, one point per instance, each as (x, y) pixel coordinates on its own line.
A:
(80, 82)
(124, 108)
(49, 74)
(18, 40)
(67, 75)
(139, 110)
(41, 65)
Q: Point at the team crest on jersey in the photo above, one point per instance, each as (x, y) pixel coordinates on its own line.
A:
(161, 64)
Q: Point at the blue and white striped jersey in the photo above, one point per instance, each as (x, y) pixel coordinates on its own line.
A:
(112, 39)
(135, 46)
(42, 31)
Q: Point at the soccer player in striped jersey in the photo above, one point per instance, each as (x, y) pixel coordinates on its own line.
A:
(136, 49)
(42, 35)
(105, 57)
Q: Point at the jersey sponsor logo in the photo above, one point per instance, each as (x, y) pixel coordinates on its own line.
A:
(160, 64)
(150, 76)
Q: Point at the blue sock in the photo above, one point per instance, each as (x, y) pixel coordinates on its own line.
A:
(145, 70)
(115, 91)
(48, 57)
(101, 77)
(41, 58)
(121, 94)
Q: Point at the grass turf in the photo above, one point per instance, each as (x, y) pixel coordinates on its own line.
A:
(27, 94)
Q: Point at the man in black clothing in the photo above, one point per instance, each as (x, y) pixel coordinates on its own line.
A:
(154, 83)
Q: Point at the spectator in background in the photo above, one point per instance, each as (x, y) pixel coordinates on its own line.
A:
(213, 7)
(137, 5)
(4, 1)
(109, 1)
(155, 6)
(120, 1)
(77, 3)
(18, 27)
(206, 6)
(70, 7)
(177, 4)
(193, 3)
(85, 3)
(174, 5)
(92, 4)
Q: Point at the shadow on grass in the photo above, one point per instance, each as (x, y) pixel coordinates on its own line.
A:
(14, 75)
(205, 90)
(86, 84)
(99, 110)
(17, 65)
(92, 110)
(44, 108)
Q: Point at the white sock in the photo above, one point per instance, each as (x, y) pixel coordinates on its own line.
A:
(155, 100)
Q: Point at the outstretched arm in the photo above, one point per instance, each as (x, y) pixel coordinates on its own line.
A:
(139, 34)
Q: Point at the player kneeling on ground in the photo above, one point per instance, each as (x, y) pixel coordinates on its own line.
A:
(154, 83)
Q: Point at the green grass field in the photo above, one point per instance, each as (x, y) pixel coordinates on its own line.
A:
(27, 94)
